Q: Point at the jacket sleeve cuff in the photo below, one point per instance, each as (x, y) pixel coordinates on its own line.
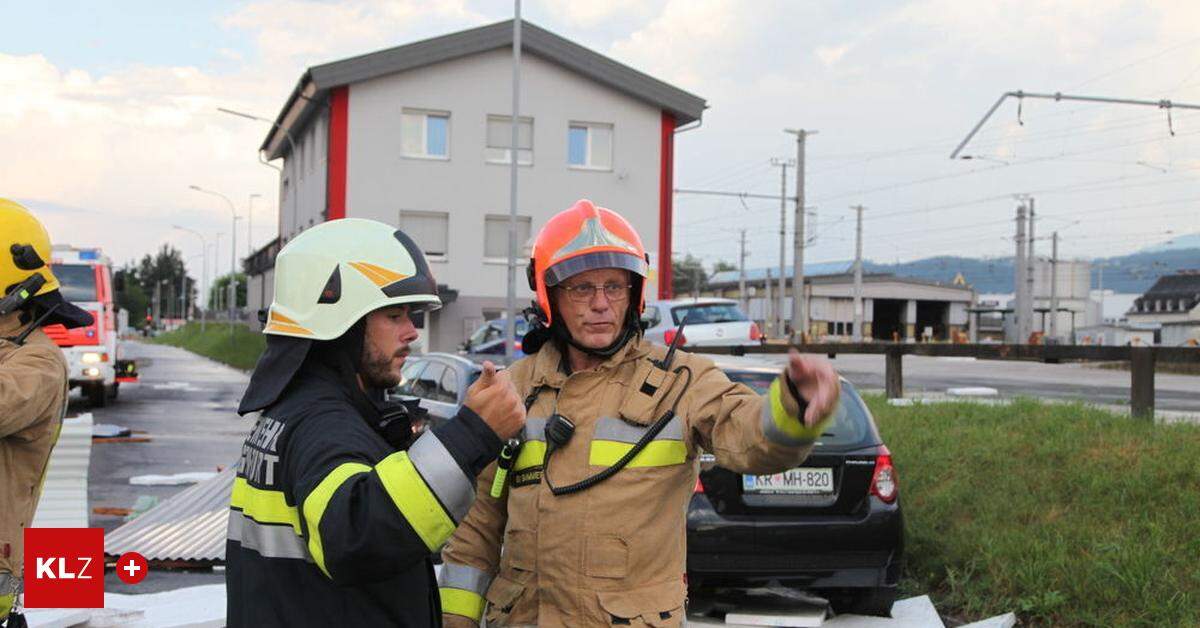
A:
(470, 441)
(783, 415)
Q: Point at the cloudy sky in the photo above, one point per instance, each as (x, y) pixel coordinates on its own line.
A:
(108, 115)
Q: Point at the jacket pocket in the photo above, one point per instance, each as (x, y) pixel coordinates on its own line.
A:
(501, 596)
(606, 556)
(659, 605)
(520, 550)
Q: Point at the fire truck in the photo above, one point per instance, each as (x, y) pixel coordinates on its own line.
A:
(93, 352)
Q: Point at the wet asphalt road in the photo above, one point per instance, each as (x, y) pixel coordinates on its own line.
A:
(186, 405)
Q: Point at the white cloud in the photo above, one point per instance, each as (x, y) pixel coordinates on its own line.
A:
(830, 55)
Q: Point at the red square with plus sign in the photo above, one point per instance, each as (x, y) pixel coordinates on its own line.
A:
(64, 567)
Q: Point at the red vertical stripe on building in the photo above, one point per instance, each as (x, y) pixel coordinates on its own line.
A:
(339, 118)
(666, 187)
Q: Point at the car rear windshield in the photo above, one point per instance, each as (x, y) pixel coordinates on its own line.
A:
(78, 281)
(709, 313)
(850, 426)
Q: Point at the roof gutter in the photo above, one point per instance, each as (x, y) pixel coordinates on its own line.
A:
(293, 110)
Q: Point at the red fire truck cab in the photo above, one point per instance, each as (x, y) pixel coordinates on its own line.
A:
(93, 352)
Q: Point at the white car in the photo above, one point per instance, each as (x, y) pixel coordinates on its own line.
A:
(711, 322)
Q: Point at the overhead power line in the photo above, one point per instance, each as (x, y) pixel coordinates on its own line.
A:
(1059, 96)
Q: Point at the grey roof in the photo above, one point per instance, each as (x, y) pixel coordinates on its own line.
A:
(822, 273)
(190, 526)
(317, 80)
(759, 274)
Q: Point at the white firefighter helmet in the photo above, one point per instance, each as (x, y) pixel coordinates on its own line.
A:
(333, 274)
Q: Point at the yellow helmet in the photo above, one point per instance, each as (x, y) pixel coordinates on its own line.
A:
(24, 248)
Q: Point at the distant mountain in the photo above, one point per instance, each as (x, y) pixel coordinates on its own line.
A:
(1190, 241)
(1133, 273)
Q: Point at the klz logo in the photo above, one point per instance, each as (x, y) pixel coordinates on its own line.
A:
(64, 567)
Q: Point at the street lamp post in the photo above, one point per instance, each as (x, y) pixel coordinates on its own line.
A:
(232, 247)
(203, 269)
(250, 225)
(291, 143)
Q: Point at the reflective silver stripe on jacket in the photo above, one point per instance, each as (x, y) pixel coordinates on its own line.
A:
(535, 429)
(445, 478)
(624, 432)
(771, 429)
(464, 577)
(271, 541)
(10, 584)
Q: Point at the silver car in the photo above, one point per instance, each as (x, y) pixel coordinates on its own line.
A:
(712, 322)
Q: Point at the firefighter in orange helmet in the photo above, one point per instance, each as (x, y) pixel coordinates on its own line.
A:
(589, 509)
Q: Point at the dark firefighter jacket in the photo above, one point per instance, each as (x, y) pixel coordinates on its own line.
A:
(332, 526)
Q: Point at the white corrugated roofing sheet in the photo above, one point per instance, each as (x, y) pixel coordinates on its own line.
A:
(64, 501)
(190, 526)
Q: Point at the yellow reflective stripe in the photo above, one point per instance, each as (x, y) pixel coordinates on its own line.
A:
(459, 602)
(262, 505)
(318, 500)
(657, 453)
(416, 502)
(6, 604)
(791, 426)
(532, 454)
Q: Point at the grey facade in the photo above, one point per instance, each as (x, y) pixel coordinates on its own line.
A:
(417, 136)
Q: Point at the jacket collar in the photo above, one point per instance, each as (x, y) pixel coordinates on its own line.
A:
(548, 362)
(10, 324)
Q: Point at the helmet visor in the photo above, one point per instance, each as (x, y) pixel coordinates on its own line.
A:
(572, 266)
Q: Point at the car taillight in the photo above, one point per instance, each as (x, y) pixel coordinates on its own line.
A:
(699, 490)
(669, 336)
(755, 334)
(885, 483)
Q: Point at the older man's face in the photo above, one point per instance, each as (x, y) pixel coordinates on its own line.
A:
(593, 304)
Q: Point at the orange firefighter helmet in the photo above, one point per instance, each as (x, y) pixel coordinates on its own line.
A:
(582, 238)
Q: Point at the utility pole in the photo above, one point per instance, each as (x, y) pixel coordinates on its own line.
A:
(1019, 277)
(510, 324)
(769, 307)
(858, 284)
(1054, 287)
(742, 274)
(154, 306)
(799, 299)
(783, 166)
(1030, 272)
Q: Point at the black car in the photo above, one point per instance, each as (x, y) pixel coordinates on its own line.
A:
(832, 526)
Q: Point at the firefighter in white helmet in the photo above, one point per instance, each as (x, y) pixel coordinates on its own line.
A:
(337, 508)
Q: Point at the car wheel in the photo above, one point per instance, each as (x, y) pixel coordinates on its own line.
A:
(113, 390)
(97, 396)
(877, 602)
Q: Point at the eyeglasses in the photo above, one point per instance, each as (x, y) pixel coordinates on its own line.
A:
(583, 293)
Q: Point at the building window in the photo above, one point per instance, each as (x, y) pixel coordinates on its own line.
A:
(425, 134)
(499, 140)
(589, 145)
(430, 230)
(495, 236)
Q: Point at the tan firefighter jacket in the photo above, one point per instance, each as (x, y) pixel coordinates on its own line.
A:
(615, 552)
(33, 394)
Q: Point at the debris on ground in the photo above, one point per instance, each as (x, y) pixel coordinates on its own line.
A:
(114, 511)
(143, 504)
(121, 439)
(174, 479)
(108, 430)
(190, 607)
